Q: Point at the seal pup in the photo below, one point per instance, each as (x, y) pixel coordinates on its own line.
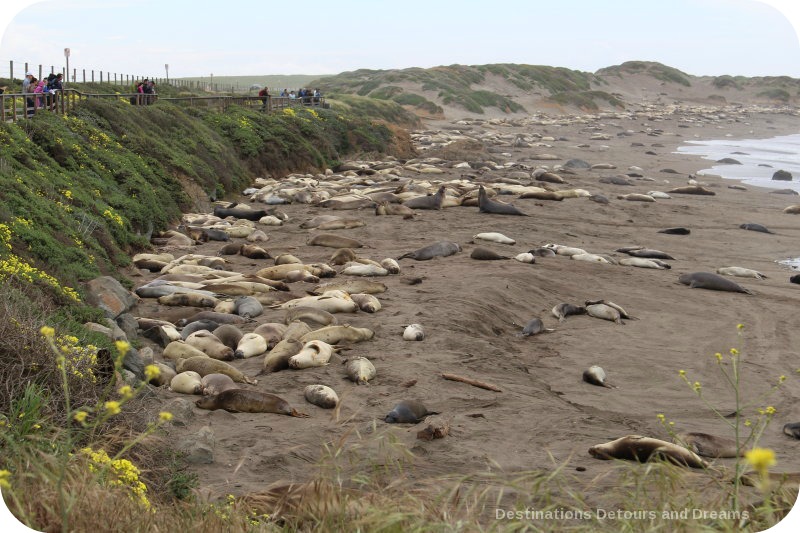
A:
(228, 334)
(534, 326)
(642, 449)
(525, 257)
(360, 370)
(707, 445)
(792, 210)
(311, 315)
(313, 354)
(676, 231)
(413, 332)
(563, 310)
(543, 252)
(606, 312)
(215, 383)
(647, 253)
(692, 189)
(234, 210)
(641, 262)
(595, 375)
(206, 365)
(386, 208)
(622, 312)
(484, 254)
(333, 241)
(186, 383)
(437, 249)
(391, 265)
(321, 396)
(755, 227)
(794, 279)
(366, 302)
(493, 236)
(792, 429)
(250, 345)
(713, 282)
(342, 256)
(408, 412)
(248, 401)
(433, 201)
(486, 205)
(740, 272)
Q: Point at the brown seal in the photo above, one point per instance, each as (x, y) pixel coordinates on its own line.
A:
(253, 251)
(642, 449)
(484, 254)
(333, 241)
(248, 401)
(709, 445)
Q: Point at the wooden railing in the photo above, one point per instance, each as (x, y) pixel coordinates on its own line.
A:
(18, 106)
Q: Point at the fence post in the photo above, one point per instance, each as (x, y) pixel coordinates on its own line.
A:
(11, 69)
(26, 68)
(93, 76)
(84, 75)
(52, 69)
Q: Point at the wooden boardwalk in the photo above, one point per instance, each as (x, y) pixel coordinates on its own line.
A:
(19, 106)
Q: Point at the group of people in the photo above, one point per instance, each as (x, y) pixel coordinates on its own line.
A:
(146, 88)
(306, 95)
(45, 92)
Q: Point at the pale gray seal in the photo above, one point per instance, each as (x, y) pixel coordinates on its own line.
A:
(792, 429)
(534, 327)
(714, 282)
(408, 412)
(437, 249)
(595, 375)
(561, 311)
(486, 205)
(638, 448)
(484, 254)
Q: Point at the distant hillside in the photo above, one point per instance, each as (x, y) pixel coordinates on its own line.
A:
(508, 89)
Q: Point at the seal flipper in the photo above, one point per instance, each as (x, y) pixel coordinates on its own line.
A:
(298, 414)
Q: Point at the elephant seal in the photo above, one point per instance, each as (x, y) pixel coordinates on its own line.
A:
(792, 210)
(642, 449)
(605, 312)
(208, 325)
(311, 315)
(333, 241)
(542, 195)
(792, 429)
(366, 302)
(186, 383)
(250, 345)
(707, 445)
(543, 252)
(534, 327)
(360, 370)
(795, 279)
(493, 236)
(740, 272)
(177, 350)
(253, 251)
(386, 208)
(239, 212)
(647, 253)
(391, 265)
(755, 227)
(228, 334)
(525, 257)
(342, 256)
(433, 201)
(595, 375)
(641, 262)
(408, 412)
(321, 396)
(215, 383)
(487, 205)
(437, 249)
(206, 365)
(247, 307)
(338, 334)
(219, 318)
(189, 299)
(248, 401)
(351, 286)
(561, 311)
(209, 344)
(413, 332)
(285, 259)
(622, 312)
(313, 354)
(232, 248)
(484, 254)
(714, 282)
(278, 358)
(692, 189)
(676, 231)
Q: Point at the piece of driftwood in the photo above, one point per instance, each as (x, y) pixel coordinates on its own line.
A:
(473, 382)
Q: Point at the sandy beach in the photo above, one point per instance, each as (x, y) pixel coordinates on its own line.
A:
(473, 310)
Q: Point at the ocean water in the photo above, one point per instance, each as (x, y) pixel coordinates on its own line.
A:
(760, 159)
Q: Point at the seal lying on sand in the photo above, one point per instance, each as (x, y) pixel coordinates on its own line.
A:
(408, 412)
(714, 282)
(433, 201)
(437, 249)
(709, 445)
(486, 205)
(248, 401)
(638, 448)
(239, 212)
(755, 227)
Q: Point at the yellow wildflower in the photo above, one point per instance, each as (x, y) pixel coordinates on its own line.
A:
(718, 356)
(761, 459)
(112, 408)
(151, 372)
(80, 416)
(126, 392)
(740, 327)
(734, 352)
(122, 347)
(47, 331)
(770, 410)
(4, 475)
(165, 416)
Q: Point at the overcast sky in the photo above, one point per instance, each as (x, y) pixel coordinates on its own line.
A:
(197, 38)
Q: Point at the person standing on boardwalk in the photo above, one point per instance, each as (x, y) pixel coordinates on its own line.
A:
(264, 94)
